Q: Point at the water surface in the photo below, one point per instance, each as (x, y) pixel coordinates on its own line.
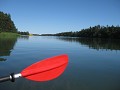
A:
(94, 64)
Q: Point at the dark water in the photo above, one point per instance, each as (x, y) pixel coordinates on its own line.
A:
(94, 64)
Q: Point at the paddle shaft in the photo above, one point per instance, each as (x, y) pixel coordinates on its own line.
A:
(11, 77)
(5, 78)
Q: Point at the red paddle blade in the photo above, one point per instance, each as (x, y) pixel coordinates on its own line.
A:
(46, 69)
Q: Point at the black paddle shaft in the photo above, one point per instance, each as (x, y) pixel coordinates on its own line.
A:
(7, 78)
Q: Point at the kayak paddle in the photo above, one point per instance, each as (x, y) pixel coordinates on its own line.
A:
(43, 70)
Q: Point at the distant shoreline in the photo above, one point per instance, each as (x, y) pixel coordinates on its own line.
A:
(92, 32)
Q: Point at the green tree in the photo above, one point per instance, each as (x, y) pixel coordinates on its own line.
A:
(6, 24)
(95, 32)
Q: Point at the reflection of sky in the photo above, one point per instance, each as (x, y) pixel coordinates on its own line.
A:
(88, 69)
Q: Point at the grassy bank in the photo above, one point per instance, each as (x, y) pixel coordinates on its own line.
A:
(8, 35)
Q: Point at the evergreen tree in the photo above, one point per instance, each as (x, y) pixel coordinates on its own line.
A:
(6, 24)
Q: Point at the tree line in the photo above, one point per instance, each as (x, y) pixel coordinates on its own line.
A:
(7, 25)
(95, 32)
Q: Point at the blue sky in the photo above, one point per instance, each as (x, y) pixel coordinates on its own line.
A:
(53, 16)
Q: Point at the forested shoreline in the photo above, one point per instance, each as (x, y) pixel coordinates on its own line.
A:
(95, 32)
(8, 26)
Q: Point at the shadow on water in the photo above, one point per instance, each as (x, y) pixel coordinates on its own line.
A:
(6, 46)
(95, 43)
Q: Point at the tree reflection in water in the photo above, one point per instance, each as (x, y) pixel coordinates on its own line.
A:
(95, 43)
(6, 46)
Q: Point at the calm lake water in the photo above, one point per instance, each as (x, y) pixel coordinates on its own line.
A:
(94, 64)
